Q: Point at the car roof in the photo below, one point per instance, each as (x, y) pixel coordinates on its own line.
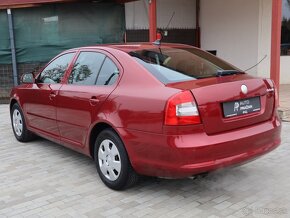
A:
(129, 47)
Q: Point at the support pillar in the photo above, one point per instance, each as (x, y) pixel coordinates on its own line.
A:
(152, 21)
(12, 46)
(197, 33)
(276, 41)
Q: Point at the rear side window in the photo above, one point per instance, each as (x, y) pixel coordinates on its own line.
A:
(86, 68)
(171, 65)
(108, 74)
(54, 72)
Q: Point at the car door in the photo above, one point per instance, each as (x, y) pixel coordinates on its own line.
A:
(40, 107)
(92, 79)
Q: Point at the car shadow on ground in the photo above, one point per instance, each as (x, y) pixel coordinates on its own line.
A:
(215, 180)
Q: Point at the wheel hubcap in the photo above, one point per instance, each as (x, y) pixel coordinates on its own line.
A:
(109, 160)
(17, 122)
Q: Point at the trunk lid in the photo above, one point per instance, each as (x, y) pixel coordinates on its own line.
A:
(223, 106)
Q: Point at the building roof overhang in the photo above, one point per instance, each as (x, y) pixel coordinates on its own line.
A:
(33, 3)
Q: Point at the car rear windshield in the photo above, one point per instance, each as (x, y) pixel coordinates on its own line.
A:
(170, 65)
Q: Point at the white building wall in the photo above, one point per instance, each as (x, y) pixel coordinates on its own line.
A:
(231, 28)
(240, 30)
(264, 38)
(184, 14)
(137, 15)
(285, 70)
(264, 44)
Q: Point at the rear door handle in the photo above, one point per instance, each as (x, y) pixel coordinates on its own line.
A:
(94, 101)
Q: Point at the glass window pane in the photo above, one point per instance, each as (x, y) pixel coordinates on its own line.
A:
(170, 65)
(86, 68)
(285, 34)
(54, 72)
(108, 74)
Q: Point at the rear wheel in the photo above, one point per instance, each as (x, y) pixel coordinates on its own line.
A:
(20, 130)
(112, 161)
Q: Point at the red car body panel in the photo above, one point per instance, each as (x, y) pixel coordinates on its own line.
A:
(190, 153)
(39, 103)
(206, 97)
(134, 107)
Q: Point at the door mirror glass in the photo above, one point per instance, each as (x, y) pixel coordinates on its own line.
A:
(27, 78)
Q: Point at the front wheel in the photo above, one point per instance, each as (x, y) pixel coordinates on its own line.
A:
(20, 130)
(112, 161)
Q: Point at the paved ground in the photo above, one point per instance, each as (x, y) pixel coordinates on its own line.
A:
(42, 179)
(285, 102)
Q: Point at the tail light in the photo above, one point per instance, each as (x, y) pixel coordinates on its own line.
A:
(272, 88)
(181, 109)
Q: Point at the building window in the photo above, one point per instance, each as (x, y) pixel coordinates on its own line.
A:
(285, 36)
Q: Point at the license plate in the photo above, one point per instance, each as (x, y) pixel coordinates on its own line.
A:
(240, 107)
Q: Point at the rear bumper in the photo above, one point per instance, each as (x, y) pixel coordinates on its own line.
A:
(178, 156)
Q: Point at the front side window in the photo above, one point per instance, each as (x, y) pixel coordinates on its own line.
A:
(171, 65)
(86, 68)
(54, 72)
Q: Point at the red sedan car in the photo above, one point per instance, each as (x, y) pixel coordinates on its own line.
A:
(165, 110)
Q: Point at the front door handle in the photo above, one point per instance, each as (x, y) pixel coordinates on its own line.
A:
(94, 101)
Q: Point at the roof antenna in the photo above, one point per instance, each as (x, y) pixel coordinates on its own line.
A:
(160, 33)
(257, 63)
(170, 20)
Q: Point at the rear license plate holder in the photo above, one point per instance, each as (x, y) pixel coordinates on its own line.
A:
(241, 107)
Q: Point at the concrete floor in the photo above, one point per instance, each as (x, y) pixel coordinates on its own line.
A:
(43, 179)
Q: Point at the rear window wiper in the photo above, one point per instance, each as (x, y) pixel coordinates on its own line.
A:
(227, 72)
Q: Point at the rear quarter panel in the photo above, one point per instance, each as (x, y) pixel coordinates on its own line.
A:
(139, 100)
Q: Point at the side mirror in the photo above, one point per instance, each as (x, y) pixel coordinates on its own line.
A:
(27, 78)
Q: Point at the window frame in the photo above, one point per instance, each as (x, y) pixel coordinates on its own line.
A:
(76, 59)
(285, 46)
(202, 57)
(107, 55)
(101, 71)
(66, 71)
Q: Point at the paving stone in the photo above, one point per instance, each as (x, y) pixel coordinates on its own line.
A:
(223, 205)
(43, 179)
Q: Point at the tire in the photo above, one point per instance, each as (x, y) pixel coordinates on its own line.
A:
(112, 162)
(19, 127)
